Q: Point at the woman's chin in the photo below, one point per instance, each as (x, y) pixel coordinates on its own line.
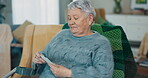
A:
(73, 32)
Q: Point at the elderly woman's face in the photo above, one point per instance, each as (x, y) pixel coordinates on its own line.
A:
(78, 22)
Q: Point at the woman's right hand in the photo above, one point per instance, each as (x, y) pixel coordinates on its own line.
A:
(37, 58)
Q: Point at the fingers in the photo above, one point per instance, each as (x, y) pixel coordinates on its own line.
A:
(37, 61)
(37, 55)
(37, 58)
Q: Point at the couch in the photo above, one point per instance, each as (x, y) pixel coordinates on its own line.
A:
(37, 37)
(5, 41)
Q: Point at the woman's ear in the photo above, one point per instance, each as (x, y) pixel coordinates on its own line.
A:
(90, 18)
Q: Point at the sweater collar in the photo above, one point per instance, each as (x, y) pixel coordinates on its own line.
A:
(85, 37)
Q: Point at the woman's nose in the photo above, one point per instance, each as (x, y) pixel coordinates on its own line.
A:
(71, 22)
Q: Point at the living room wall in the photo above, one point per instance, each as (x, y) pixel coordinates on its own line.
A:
(63, 6)
(107, 4)
(7, 12)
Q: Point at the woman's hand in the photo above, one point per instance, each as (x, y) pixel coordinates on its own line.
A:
(37, 58)
(60, 71)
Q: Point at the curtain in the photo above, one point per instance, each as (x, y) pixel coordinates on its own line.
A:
(36, 11)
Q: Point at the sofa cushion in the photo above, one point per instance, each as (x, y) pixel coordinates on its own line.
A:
(19, 32)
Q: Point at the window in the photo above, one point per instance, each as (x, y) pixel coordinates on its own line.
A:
(37, 11)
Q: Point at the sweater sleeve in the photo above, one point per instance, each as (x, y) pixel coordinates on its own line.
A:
(102, 66)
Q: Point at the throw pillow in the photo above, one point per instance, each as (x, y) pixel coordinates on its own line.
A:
(19, 32)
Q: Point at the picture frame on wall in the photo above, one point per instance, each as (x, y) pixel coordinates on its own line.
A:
(139, 4)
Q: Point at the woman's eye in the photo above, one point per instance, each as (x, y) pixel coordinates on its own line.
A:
(76, 18)
(69, 18)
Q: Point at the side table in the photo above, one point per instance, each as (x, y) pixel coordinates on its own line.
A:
(142, 71)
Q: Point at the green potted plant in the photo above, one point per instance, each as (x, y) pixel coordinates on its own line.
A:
(2, 18)
(117, 8)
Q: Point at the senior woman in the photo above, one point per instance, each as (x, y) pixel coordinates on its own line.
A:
(78, 52)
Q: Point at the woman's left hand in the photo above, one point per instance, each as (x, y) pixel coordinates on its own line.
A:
(60, 71)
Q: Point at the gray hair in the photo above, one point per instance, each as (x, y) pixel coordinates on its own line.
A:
(84, 5)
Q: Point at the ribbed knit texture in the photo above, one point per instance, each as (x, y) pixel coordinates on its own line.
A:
(88, 56)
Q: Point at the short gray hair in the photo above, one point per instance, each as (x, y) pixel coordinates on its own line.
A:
(84, 5)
